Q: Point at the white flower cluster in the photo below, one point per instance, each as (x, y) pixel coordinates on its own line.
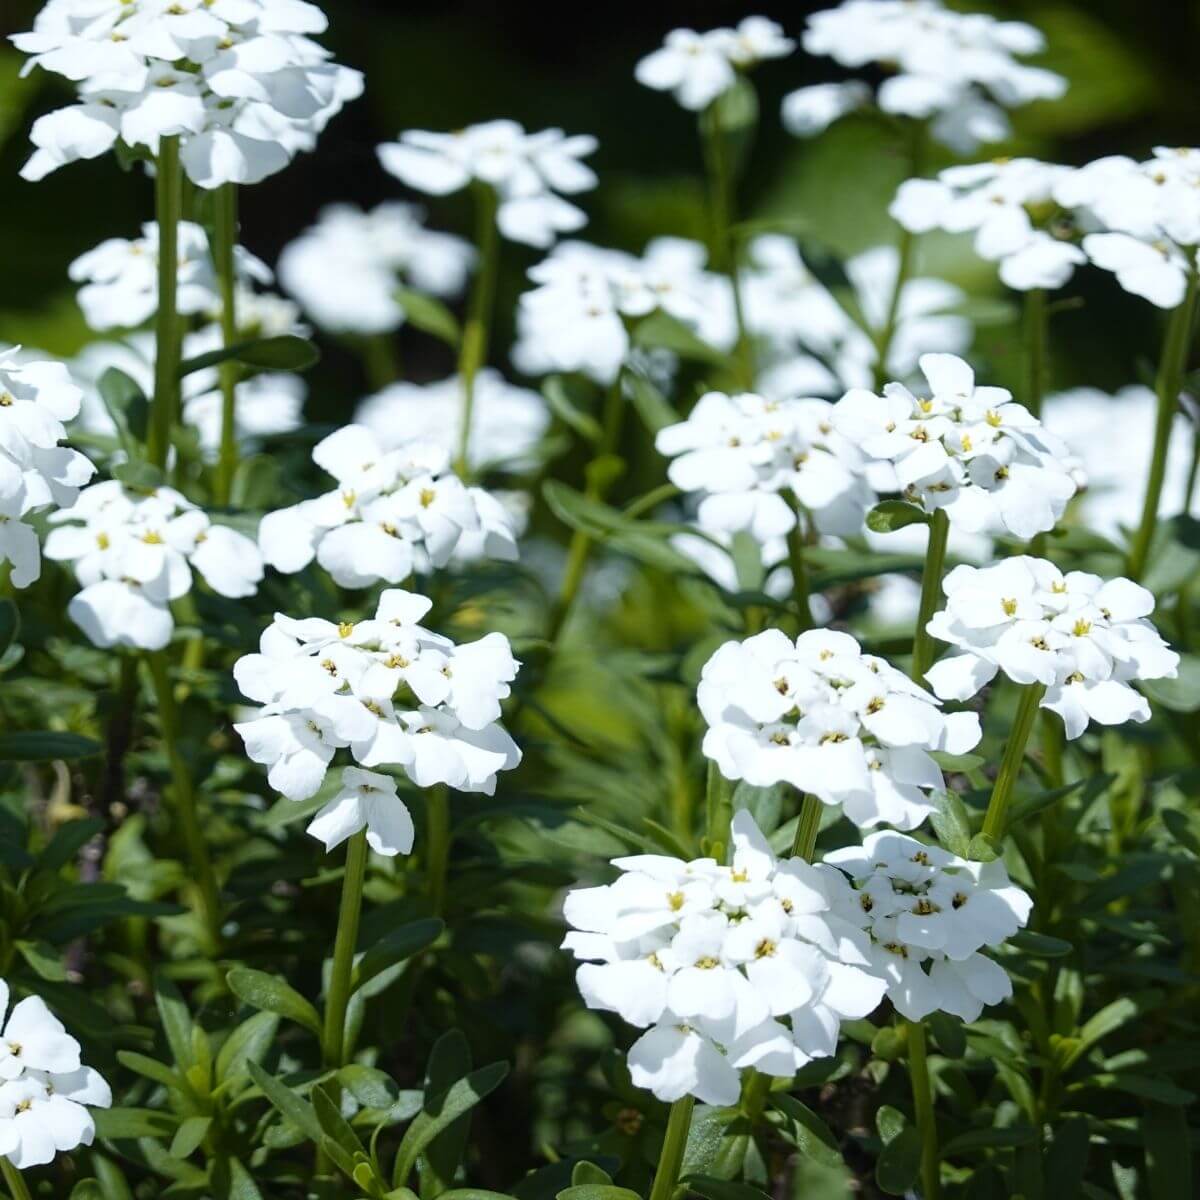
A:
(698, 67)
(969, 450)
(957, 70)
(120, 277)
(35, 471)
(1009, 206)
(392, 692)
(345, 269)
(928, 914)
(745, 454)
(393, 512)
(1084, 639)
(529, 173)
(725, 967)
(576, 318)
(45, 1090)
(241, 82)
(135, 552)
(823, 716)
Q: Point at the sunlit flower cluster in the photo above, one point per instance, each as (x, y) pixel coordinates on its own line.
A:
(345, 270)
(240, 82)
(529, 173)
(929, 913)
(725, 967)
(958, 71)
(969, 450)
(36, 472)
(392, 692)
(135, 552)
(832, 721)
(1084, 639)
(45, 1091)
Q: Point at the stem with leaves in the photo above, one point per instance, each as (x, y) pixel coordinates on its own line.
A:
(225, 229)
(168, 330)
(474, 346)
(1170, 381)
(995, 820)
(931, 592)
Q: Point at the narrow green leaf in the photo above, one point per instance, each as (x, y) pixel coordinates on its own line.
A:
(271, 994)
(176, 1020)
(1183, 829)
(241, 1184)
(398, 945)
(597, 1191)
(67, 842)
(585, 1172)
(889, 515)
(987, 1139)
(191, 1132)
(430, 316)
(249, 1042)
(122, 1123)
(651, 405)
(1066, 1159)
(1040, 945)
(10, 624)
(151, 1068)
(983, 848)
(284, 353)
(298, 1111)
(44, 959)
(45, 746)
(951, 823)
(812, 1136)
(723, 1189)
(664, 332)
(333, 1123)
(139, 476)
(949, 1034)
(563, 405)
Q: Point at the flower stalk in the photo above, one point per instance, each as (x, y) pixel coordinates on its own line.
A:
(12, 1178)
(1170, 380)
(670, 1160)
(931, 590)
(225, 229)
(437, 843)
(995, 820)
(168, 330)
(1036, 314)
(807, 827)
(337, 999)
(922, 1090)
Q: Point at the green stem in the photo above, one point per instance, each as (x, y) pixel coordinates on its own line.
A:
(474, 347)
(1189, 490)
(798, 562)
(1170, 380)
(931, 593)
(168, 196)
(225, 228)
(755, 1092)
(437, 846)
(721, 187)
(718, 813)
(922, 1090)
(12, 1177)
(337, 999)
(380, 360)
(674, 1144)
(995, 821)
(185, 799)
(804, 845)
(1035, 350)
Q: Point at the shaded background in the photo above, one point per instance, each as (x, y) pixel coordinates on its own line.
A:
(438, 66)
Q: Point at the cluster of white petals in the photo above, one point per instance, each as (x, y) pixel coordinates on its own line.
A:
(240, 82)
(725, 967)
(528, 172)
(1084, 639)
(968, 450)
(696, 68)
(751, 459)
(928, 914)
(393, 512)
(821, 715)
(135, 552)
(578, 316)
(507, 422)
(36, 472)
(345, 270)
(392, 692)
(959, 71)
(1009, 205)
(120, 277)
(45, 1091)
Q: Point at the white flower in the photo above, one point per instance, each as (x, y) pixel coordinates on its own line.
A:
(1156, 271)
(345, 269)
(968, 450)
(726, 967)
(529, 172)
(44, 1089)
(1083, 639)
(923, 907)
(366, 799)
(811, 110)
(819, 714)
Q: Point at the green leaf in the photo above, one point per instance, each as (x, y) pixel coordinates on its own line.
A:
(284, 353)
(1181, 694)
(371, 1087)
(269, 993)
(597, 1191)
(241, 1184)
(651, 405)
(430, 316)
(139, 476)
(298, 1111)
(45, 746)
(1167, 1139)
(811, 1135)
(151, 1068)
(1145, 1087)
(890, 1122)
(442, 1111)
(191, 1132)
(951, 823)
(449, 1061)
(43, 959)
(723, 1189)
(660, 331)
(249, 1042)
(984, 848)
(1040, 945)
(128, 408)
(1109, 1019)
(176, 1021)
(987, 1139)
(1066, 1159)
(398, 945)
(564, 406)
(899, 1162)
(889, 515)
(67, 842)
(1183, 828)
(585, 1172)
(122, 1123)
(333, 1124)
(949, 1034)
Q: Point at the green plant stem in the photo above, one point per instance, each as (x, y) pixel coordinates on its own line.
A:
(380, 360)
(674, 1144)
(721, 189)
(995, 820)
(225, 228)
(798, 563)
(755, 1092)
(12, 1177)
(931, 593)
(1035, 349)
(718, 812)
(922, 1090)
(168, 330)
(804, 845)
(337, 999)
(474, 347)
(185, 799)
(437, 846)
(1170, 380)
